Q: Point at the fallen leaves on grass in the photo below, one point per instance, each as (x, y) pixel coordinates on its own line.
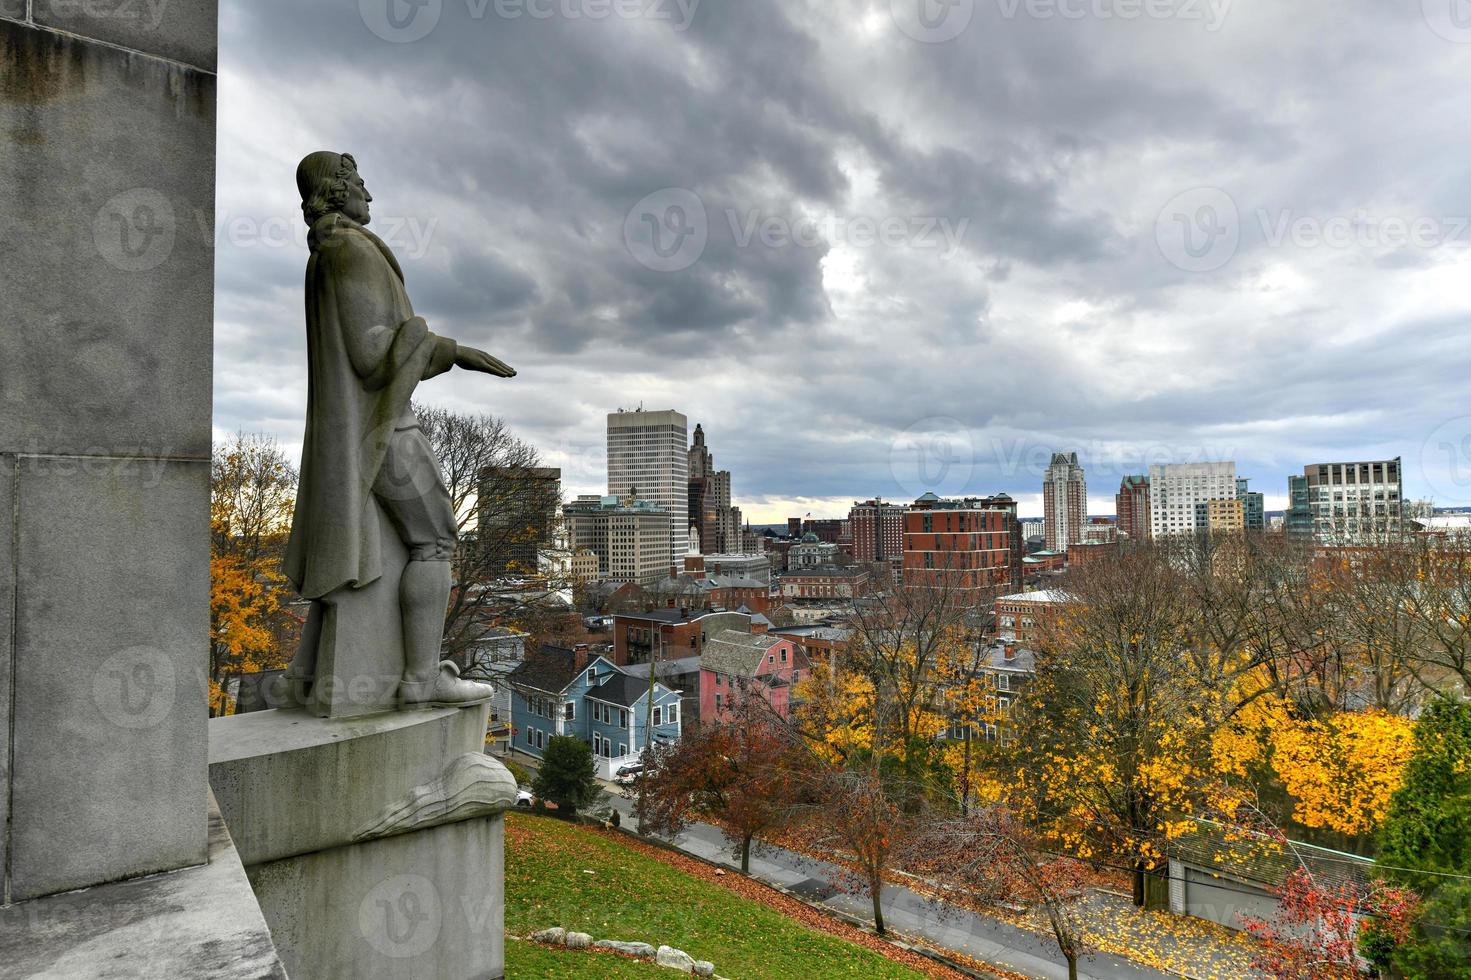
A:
(787, 906)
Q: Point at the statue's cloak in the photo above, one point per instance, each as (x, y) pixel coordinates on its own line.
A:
(366, 352)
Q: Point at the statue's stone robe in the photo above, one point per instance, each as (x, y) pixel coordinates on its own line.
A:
(366, 352)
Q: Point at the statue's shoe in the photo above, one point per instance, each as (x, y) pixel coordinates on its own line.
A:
(447, 690)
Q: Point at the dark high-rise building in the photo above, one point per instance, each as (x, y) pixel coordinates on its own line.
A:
(516, 516)
(1253, 506)
(710, 511)
(1352, 502)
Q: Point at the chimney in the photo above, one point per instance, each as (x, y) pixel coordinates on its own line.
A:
(1009, 652)
(580, 656)
(684, 612)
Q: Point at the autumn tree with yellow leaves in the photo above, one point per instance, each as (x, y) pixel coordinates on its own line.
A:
(252, 495)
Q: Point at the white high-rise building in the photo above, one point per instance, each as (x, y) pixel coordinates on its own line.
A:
(1176, 488)
(648, 456)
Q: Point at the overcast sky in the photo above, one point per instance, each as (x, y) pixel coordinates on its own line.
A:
(883, 247)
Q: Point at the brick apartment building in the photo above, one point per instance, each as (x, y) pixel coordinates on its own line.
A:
(1021, 618)
(878, 531)
(973, 546)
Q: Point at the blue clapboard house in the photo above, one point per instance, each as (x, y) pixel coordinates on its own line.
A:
(557, 691)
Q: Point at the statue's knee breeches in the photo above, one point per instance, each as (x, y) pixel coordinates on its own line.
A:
(411, 489)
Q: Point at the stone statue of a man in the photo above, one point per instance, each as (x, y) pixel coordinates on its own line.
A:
(363, 448)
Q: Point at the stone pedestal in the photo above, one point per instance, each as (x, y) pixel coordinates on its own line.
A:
(373, 843)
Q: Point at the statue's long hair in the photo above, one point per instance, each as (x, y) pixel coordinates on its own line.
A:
(323, 179)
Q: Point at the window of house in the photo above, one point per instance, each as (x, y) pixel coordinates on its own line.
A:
(622, 750)
(784, 656)
(569, 711)
(658, 716)
(673, 714)
(717, 702)
(1003, 682)
(592, 676)
(622, 718)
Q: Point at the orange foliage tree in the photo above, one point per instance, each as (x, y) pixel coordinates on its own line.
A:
(252, 495)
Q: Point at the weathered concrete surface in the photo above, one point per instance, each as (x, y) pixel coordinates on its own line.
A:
(111, 625)
(107, 256)
(413, 907)
(290, 783)
(7, 653)
(198, 922)
(166, 28)
(13, 8)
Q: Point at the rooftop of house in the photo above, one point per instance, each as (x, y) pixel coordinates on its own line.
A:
(1022, 660)
(1254, 856)
(1041, 595)
(622, 689)
(737, 654)
(673, 616)
(667, 668)
(550, 669)
(832, 634)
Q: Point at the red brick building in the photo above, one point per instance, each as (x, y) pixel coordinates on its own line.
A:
(973, 546)
(878, 531)
(1020, 618)
(1131, 504)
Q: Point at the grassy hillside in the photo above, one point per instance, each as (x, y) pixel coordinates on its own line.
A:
(561, 875)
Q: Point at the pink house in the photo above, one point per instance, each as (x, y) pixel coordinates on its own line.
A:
(733, 662)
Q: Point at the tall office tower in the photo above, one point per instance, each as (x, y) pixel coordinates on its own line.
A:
(628, 536)
(1253, 506)
(648, 458)
(1176, 488)
(516, 516)
(1298, 521)
(1353, 502)
(878, 531)
(1131, 504)
(710, 511)
(1064, 502)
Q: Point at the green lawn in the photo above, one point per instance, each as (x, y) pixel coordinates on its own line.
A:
(561, 875)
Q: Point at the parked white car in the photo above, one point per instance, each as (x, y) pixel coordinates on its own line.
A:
(628, 774)
(523, 797)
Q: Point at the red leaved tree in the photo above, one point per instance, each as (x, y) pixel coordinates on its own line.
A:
(1313, 933)
(732, 774)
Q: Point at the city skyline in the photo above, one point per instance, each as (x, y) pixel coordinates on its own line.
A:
(1037, 304)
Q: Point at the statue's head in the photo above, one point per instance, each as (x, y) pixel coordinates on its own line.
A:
(329, 182)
